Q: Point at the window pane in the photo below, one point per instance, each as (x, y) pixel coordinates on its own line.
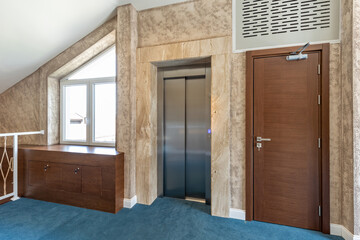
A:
(102, 66)
(104, 101)
(75, 112)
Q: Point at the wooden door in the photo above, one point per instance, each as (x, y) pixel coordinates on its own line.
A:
(36, 173)
(91, 180)
(53, 176)
(287, 114)
(71, 178)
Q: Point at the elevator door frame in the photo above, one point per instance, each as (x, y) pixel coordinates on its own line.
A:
(325, 169)
(203, 69)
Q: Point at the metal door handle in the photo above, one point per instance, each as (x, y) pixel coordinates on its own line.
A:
(77, 170)
(260, 139)
(46, 167)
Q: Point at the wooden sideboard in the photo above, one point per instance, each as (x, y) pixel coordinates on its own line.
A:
(89, 177)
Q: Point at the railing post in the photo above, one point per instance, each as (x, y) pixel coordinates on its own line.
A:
(15, 167)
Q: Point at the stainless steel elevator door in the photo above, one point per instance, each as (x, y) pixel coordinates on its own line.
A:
(174, 138)
(196, 136)
(186, 142)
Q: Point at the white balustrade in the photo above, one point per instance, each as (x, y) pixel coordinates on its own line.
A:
(12, 164)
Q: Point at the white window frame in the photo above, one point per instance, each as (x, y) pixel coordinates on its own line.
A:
(90, 123)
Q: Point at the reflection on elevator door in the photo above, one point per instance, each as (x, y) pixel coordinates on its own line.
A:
(186, 138)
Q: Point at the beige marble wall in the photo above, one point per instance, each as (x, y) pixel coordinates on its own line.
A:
(192, 20)
(126, 45)
(53, 106)
(356, 112)
(20, 109)
(237, 130)
(146, 128)
(347, 167)
(335, 134)
(220, 133)
(146, 118)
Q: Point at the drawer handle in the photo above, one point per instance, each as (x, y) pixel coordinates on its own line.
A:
(46, 167)
(77, 170)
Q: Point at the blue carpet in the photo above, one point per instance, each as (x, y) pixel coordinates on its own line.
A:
(166, 218)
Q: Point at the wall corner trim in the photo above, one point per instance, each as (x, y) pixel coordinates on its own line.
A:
(130, 203)
(237, 214)
(340, 230)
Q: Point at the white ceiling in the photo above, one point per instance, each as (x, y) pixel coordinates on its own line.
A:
(34, 31)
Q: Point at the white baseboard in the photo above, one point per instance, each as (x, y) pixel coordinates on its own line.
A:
(335, 229)
(347, 235)
(237, 214)
(340, 230)
(129, 203)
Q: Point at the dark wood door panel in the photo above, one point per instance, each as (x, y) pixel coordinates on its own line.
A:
(91, 180)
(71, 178)
(36, 173)
(53, 176)
(286, 169)
(108, 183)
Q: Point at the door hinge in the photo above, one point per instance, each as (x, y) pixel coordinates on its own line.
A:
(319, 99)
(319, 69)
(319, 142)
(319, 211)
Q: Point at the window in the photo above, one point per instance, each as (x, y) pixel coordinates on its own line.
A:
(88, 103)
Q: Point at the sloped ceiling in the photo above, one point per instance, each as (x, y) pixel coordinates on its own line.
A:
(34, 31)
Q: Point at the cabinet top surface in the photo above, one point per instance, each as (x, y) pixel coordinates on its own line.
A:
(74, 149)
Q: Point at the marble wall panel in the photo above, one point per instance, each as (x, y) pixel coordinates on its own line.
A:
(220, 134)
(83, 58)
(335, 133)
(356, 112)
(20, 109)
(153, 132)
(53, 106)
(190, 49)
(347, 168)
(145, 137)
(192, 20)
(126, 45)
(237, 130)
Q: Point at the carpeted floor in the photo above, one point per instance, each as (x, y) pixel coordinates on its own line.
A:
(166, 218)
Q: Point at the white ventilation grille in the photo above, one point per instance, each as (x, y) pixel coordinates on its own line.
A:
(269, 23)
